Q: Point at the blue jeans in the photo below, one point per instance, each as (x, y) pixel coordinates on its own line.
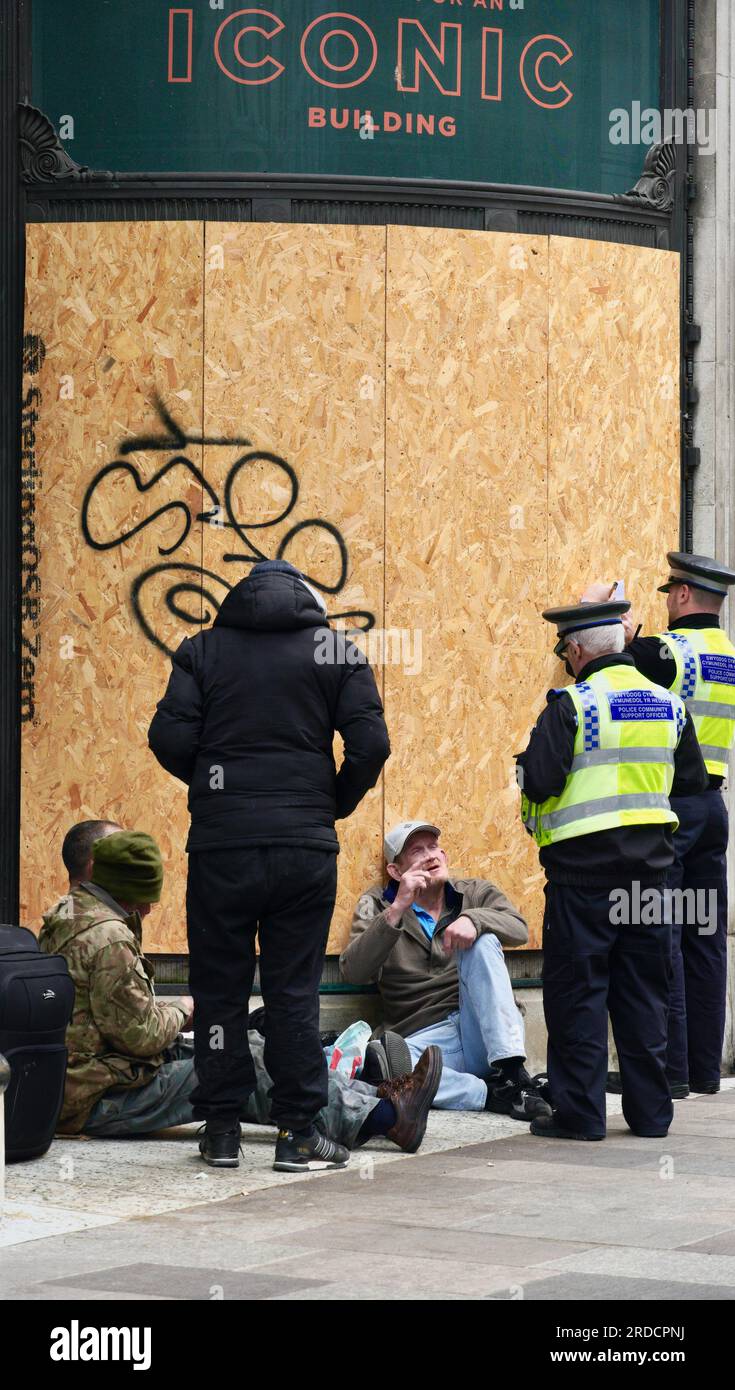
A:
(486, 1027)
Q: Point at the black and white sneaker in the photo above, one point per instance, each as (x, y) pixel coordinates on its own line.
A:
(221, 1147)
(521, 1102)
(311, 1153)
(540, 1084)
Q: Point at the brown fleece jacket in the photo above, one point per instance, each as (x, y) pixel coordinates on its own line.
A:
(418, 982)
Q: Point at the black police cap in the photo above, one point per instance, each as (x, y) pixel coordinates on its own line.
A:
(580, 616)
(700, 571)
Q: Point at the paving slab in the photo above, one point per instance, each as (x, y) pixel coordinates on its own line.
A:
(183, 1281)
(394, 1277)
(630, 1195)
(528, 1174)
(722, 1244)
(505, 1217)
(609, 1289)
(565, 1221)
(667, 1266)
(81, 1182)
(470, 1246)
(23, 1221)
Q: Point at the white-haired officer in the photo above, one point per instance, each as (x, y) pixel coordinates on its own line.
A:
(695, 658)
(601, 763)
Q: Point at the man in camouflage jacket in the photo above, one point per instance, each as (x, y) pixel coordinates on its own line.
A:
(120, 1036)
(129, 1071)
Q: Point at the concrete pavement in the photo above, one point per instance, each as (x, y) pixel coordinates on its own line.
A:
(504, 1218)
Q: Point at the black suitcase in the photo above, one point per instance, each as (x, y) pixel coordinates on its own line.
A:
(36, 1002)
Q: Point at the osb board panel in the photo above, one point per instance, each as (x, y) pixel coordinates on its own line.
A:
(466, 492)
(613, 419)
(119, 310)
(495, 534)
(295, 362)
(482, 529)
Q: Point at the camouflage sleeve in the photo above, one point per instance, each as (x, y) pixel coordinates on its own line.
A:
(124, 1006)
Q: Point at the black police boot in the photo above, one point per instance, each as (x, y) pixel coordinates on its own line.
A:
(307, 1153)
(705, 1088)
(548, 1127)
(679, 1090)
(220, 1144)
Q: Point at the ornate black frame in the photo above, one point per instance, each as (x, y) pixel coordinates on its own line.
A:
(40, 183)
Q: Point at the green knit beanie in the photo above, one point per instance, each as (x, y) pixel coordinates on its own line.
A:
(128, 865)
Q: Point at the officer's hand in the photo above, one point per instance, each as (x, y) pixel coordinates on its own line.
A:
(187, 1003)
(599, 592)
(629, 627)
(460, 935)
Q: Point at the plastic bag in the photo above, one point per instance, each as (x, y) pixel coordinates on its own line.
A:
(347, 1054)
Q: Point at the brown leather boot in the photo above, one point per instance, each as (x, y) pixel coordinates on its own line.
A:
(411, 1097)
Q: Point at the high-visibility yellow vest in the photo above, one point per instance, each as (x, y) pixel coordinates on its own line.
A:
(623, 767)
(705, 680)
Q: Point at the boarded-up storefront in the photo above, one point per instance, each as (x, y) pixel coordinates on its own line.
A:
(447, 430)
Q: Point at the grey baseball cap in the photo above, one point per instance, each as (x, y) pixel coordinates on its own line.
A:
(397, 837)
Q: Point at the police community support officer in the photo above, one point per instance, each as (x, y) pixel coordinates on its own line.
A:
(696, 659)
(596, 778)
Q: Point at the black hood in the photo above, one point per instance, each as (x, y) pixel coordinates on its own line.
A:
(270, 602)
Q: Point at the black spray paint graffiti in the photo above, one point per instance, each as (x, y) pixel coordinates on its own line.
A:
(195, 580)
(34, 352)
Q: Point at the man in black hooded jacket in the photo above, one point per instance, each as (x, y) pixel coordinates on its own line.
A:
(248, 722)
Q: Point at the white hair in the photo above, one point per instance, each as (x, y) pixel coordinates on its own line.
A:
(599, 641)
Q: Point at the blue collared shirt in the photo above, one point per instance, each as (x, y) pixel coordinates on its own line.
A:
(428, 924)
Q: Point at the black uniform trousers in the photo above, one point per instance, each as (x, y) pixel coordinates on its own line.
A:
(699, 940)
(592, 967)
(286, 895)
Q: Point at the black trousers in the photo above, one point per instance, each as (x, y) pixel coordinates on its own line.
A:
(285, 895)
(593, 967)
(699, 948)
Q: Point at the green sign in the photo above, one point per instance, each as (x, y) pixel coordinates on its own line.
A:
(490, 91)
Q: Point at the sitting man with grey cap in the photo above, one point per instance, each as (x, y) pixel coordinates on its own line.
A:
(130, 1071)
(434, 945)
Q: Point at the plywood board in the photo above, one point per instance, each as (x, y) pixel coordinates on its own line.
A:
(295, 360)
(477, 425)
(118, 308)
(466, 488)
(613, 427)
(613, 419)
